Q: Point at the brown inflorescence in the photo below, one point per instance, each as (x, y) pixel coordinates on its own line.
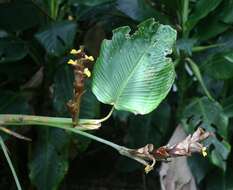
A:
(81, 72)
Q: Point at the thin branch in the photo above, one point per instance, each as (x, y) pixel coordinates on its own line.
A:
(198, 75)
(12, 133)
(107, 116)
(4, 148)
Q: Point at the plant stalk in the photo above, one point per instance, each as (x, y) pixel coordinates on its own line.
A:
(185, 12)
(4, 149)
(66, 124)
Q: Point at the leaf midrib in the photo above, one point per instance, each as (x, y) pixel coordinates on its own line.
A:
(132, 72)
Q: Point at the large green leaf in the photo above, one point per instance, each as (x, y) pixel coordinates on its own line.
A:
(133, 72)
(49, 162)
(12, 49)
(202, 9)
(91, 2)
(209, 115)
(218, 21)
(220, 65)
(140, 10)
(19, 15)
(228, 106)
(13, 103)
(57, 37)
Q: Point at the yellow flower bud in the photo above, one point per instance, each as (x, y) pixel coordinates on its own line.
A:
(74, 51)
(203, 151)
(148, 168)
(72, 62)
(90, 58)
(87, 72)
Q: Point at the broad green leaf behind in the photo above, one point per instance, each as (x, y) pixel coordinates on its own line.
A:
(132, 72)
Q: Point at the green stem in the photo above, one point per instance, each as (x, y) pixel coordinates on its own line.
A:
(66, 124)
(185, 12)
(11, 119)
(107, 116)
(202, 48)
(198, 75)
(4, 148)
(61, 123)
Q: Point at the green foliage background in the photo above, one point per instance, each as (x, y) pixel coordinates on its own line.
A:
(35, 39)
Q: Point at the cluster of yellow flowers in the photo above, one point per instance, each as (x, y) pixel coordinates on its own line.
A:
(75, 62)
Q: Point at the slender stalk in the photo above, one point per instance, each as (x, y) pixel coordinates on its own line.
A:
(4, 148)
(53, 9)
(202, 48)
(11, 119)
(12, 133)
(61, 123)
(185, 12)
(107, 116)
(198, 75)
(66, 124)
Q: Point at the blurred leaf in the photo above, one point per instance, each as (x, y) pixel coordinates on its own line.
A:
(63, 88)
(220, 66)
(94, 13)
(185, 45)
(227, 15)
(122, 116)
(137, 80)
(215, 22)
(90, 107)
(12, 49)
(228, 106)
(209, 115)
(216, 180)
(220, 154)
(199, 167)
(140, 10)
(93, 38)
(53, 7)
(49, 162)
(151, 128)
(57, 37)
(143, 129)
(13, 103)
(19, 15)
(217, 160)
(222, 147)
(91, 2)
(198, 75)
(208, 112)
(226, 40)
(215, 27)
(201, 10)
(5, 151)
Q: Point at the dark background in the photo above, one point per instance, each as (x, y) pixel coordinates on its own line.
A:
(35, 39)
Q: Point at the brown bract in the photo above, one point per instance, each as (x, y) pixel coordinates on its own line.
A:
(81, 72)
(148, 154)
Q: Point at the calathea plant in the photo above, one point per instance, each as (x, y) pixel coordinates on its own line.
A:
(134, 73)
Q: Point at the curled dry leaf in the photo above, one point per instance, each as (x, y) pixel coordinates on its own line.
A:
(148, 154)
